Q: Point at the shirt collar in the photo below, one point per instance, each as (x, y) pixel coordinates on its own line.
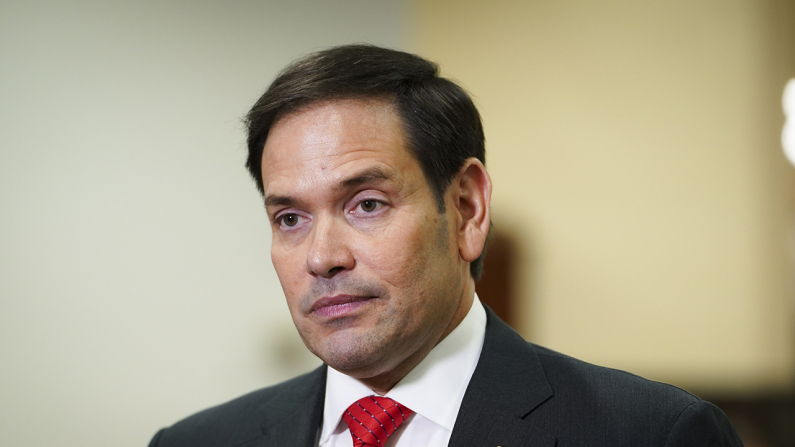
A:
(434, 389)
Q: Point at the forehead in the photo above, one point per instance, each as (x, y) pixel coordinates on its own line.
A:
(325, 140)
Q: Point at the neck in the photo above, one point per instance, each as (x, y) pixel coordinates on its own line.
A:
(382, 383)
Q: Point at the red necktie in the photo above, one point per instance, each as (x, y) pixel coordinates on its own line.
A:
(373, 419)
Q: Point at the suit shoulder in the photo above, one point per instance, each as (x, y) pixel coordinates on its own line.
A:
(579, 403)
(641, 411)
(242, 419)
(607, 384)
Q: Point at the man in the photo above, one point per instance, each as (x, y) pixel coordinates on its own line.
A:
(372, 171)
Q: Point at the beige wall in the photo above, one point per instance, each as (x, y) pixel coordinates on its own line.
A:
(635, 149)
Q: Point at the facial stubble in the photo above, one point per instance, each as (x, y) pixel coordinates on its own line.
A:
(363, 348)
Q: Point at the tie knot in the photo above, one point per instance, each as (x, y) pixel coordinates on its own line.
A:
(373, 419)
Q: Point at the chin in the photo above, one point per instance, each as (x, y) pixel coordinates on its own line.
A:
(353, 357)
(357, 367)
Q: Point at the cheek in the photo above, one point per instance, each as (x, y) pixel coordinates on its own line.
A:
(278, 261)
(404, 255)
(289, 270)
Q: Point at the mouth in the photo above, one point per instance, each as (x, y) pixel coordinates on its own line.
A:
(338, 305)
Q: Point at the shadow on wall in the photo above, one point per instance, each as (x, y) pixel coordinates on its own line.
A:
(762, 421)
(498, 286)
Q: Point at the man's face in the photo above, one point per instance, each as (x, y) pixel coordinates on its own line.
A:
(370, 268)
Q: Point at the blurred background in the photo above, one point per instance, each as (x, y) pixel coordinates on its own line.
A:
(644, 210)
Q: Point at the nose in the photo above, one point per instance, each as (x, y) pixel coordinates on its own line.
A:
(329, 252)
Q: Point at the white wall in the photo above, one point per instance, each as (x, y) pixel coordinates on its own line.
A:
(135, 279)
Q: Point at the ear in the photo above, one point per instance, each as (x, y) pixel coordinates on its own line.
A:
(472, 200)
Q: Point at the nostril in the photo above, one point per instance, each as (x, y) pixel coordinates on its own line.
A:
(335, 270)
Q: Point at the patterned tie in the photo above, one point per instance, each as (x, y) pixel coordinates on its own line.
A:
(373, 419)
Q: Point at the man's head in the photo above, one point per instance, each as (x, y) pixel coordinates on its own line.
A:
(371, 245)
(440, 121)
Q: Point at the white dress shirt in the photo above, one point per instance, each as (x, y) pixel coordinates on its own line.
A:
(434, 390)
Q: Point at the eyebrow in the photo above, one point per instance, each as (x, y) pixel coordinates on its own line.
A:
(364, 177)
(279, 201)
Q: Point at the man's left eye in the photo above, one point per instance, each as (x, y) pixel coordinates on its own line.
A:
(368, 206)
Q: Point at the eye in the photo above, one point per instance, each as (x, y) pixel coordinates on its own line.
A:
(368, 206)
(289, 220)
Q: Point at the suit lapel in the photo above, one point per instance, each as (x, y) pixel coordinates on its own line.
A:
(293, 418)
(508, 383)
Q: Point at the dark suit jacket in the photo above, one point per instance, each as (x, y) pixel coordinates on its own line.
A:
(520, 395)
